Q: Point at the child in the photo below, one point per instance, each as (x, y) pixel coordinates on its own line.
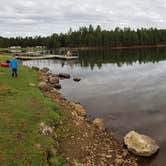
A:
(14, 66)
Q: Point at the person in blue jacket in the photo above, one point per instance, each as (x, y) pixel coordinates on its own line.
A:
(14, 67)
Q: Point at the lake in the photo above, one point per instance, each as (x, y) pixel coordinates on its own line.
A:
(127, 88)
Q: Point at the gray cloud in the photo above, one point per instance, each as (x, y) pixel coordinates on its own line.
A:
(38, 17)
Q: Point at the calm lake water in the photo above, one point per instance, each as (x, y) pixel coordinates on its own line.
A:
(126, 88)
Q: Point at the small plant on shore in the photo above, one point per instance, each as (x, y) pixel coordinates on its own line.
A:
(57, 161)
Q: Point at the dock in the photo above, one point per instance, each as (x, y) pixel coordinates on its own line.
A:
(47, 57)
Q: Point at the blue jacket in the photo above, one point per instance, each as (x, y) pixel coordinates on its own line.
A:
(13, 64)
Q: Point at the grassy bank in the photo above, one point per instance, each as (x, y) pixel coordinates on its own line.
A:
(22, 109)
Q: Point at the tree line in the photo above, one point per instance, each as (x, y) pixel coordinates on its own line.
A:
(91, 37)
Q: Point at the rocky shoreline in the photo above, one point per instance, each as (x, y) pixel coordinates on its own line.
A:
(90, 144)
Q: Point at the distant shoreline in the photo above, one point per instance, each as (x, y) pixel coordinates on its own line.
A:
(117, 48)
(5, 50)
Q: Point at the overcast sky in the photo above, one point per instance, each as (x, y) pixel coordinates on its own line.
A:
(44, 17)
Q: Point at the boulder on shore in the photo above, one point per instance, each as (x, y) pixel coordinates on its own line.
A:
(53, 80)
(44, 70)
(140, 145)
(99, 123)
(54, 75)
(43, 78)
(49, 74)
(57, 86)
(77, 79)
(64, 75)
(44, 86)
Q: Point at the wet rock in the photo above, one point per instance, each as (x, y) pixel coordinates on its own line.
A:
(44, 70)
(140, 145)
(44, 86)
(99, 124)
(35, 68)
(77, 79)
(54, 80)
(64, 75)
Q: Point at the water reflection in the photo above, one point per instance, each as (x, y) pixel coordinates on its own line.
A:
(97, 58)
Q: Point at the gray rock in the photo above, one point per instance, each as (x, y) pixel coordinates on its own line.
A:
(140, 145)
(64, 75)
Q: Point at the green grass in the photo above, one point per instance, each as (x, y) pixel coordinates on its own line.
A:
(57, 160)
(22, 109)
